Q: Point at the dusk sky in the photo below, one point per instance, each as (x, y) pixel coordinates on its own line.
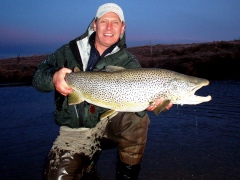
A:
(36, 27)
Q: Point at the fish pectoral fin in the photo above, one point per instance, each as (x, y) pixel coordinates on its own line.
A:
(108, 115)
(113, 68)
(161, 107)
(74, 98)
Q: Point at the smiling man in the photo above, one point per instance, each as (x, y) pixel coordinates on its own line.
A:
(108, 29)
(102, 44)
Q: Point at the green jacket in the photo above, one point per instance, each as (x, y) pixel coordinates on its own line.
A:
(76, 54)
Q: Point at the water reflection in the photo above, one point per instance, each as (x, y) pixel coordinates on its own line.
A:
(187, 142)
(200, 141)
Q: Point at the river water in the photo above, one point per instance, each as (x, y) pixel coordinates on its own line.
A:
(187, 142)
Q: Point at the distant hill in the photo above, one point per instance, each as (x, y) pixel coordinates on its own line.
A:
(19, 69)
(211, 60)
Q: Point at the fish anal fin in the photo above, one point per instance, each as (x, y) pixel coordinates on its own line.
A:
(108, 115)
(74, 98)
(161, 107)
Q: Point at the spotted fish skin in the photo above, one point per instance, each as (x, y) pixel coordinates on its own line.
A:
(133, 90)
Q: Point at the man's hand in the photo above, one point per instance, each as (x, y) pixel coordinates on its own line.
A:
(158, 102)
(60, 83)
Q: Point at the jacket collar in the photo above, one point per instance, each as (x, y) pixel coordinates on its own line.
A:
(84, 47)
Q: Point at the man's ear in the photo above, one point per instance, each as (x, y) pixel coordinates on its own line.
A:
(94, 25)
(123, 28)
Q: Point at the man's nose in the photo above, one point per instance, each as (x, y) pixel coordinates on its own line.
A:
(109, 25)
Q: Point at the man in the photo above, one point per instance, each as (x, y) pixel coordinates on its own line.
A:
(102, 44)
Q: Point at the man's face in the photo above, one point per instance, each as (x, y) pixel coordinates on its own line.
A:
(108, 29)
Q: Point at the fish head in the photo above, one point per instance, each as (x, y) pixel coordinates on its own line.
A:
(186, 88)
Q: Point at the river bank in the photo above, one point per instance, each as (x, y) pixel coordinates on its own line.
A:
(212, 60)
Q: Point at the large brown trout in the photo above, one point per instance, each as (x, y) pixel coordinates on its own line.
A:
(133, 90)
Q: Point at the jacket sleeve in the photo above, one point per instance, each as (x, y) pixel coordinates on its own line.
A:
(43, 76)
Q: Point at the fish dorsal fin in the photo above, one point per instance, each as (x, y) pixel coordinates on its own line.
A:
(108, 115)
(113, 68)
(74, 98)
(161, 107)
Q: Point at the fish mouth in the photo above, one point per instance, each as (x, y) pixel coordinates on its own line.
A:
(203, 82)
(198, 99)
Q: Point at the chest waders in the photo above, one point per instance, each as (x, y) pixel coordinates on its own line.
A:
(75, 151)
